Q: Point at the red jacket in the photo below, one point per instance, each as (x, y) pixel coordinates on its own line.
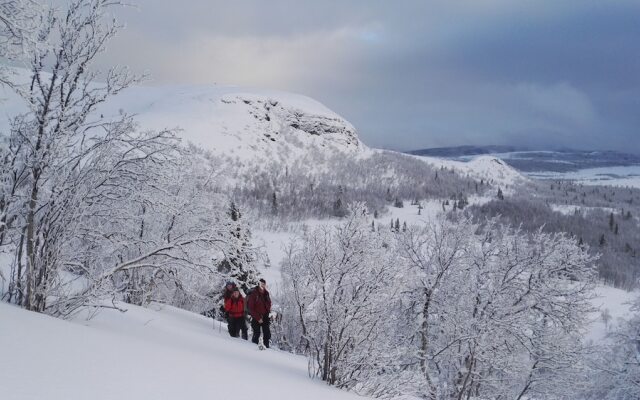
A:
(259, 303)
(235, 307)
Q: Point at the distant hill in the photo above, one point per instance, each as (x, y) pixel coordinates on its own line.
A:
(460, 151)
(524, 160)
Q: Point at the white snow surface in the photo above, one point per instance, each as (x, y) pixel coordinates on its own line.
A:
(620, 176)
(569, 209)
(243, 123)
(151, 353)
(488, 168)
(615, 302)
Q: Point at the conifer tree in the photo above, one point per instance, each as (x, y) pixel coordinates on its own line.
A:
(611, 222)
(239, 266)
(274, 204)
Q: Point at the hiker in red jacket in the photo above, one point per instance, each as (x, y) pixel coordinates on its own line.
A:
(229, 287)
(259, 304)
(234, 306)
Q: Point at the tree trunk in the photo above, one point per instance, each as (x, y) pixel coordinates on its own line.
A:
(31, 256)
(424, 336)
(19, 289)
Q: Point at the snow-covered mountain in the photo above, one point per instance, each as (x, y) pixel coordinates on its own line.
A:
(241, 123)
(254, 126)
(235, 122)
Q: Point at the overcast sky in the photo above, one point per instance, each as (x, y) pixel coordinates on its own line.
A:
(414, 74)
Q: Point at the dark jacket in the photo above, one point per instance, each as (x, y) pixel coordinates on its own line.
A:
(259, 303)
(235, 307)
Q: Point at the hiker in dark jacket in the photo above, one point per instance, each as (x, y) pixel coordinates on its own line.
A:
(234, 306)
(259, 304)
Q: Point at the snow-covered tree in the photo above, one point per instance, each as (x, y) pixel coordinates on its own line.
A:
(240, 266)
(471, 311)
(617, 365)
(337, 281)
(18, 25)
(497, 313)
(52, 141)
(91, 206)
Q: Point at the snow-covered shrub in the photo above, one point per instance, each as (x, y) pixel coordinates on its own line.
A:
(460, 310)
(616, 364)
(337, 283)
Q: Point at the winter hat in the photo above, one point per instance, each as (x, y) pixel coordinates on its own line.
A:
(235, 289)
(263, 281)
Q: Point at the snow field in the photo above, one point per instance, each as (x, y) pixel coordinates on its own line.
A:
(615, 302)
(620, 176)
(151, 353)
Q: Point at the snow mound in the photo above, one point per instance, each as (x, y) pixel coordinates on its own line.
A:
(146, 353)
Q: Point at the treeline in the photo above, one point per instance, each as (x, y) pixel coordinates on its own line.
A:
(603, 218)
(570, 193)
(323, 184)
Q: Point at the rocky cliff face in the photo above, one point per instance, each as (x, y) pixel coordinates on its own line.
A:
(286, 121)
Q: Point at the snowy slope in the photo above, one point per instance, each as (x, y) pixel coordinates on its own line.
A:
(248, 124)
(488, 168)
(614, 302)
(159, 353)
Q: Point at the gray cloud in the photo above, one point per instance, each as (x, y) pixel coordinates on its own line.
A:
(413, 74)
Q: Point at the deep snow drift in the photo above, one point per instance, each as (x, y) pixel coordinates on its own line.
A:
(145, 353)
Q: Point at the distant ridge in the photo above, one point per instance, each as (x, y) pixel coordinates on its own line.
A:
(524, 160)
(464, 151)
